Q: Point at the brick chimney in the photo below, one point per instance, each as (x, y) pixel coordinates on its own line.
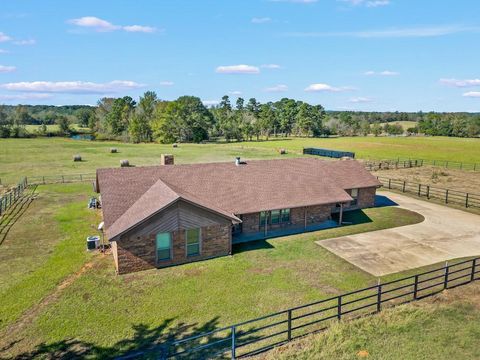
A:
(166, 159)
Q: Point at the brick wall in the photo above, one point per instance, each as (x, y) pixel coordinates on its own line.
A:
(366, 197)
(139, 252)
(251, 223)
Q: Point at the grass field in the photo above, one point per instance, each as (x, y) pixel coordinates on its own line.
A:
(53, 156)
(404, 124)
(53, 290)
(444, 327)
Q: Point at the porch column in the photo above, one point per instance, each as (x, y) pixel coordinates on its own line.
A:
(340, 218)
(305, 216)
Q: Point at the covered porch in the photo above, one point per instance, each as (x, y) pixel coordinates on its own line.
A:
(284, 231)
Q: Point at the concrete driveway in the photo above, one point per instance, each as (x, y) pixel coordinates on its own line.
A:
(445, 234)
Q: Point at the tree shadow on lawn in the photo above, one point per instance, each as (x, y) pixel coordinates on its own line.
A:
(160, 342)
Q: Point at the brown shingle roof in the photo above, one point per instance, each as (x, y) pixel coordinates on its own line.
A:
(129, 195)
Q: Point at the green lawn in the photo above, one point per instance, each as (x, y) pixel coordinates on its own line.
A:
(104, 312)
(53, 156)
(444, 327)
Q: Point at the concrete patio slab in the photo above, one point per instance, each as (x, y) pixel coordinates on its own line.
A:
(445, 234)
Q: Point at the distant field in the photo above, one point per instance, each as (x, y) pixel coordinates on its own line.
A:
(405, 124)
(52, 128)
(53, 156)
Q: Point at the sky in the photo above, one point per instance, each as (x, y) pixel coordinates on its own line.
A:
(372, 55)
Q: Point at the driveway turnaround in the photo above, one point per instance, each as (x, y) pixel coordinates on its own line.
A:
(445, 234)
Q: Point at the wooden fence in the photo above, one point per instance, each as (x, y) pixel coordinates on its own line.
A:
(11, 197)
(405, 163)
(257, 335)
(375, 165)
(448, 196)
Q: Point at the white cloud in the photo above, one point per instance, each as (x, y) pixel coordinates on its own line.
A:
(378, 3)
(473, 94)
(277, 88)
(4, 37)
(382, 73)
(271, 66)
(210, 102)
(7, 69)
(3, 51)
(359, 100)
(460, 83)
(101, 25)
(236, 93)
(25, 42)
(429, 31)
(167, 83)
(25, 97)
(326, 88)
(238, 69)
(260, 20)
(82, 87)
(139, 28)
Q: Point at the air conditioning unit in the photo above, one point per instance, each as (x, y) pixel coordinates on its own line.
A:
(93, 242)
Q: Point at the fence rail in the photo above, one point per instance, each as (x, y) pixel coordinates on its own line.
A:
(448, 196)
(257, 335)
(401, 163)
(11, 197)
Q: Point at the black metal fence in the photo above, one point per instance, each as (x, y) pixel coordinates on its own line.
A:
(448, 196)
(11, 197)
(257, 335)
(328, 153)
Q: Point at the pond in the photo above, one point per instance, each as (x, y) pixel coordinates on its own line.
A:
(82, 137)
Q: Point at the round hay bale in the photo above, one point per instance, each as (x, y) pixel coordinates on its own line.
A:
(77, 158)
(175, 145)
(282, 151)
(113, 150)
(124, 163)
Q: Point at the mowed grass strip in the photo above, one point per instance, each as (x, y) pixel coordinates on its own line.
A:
(444, 327)
(45, 245)
(54, 156)
(104, 312)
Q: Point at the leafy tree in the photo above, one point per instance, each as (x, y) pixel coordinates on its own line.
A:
(63, 125)
(5, 123)
(84, 117)
(376, 129)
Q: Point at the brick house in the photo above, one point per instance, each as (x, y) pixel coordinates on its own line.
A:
(167, 215)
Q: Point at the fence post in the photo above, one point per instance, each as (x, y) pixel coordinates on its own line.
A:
(289, 337)
(461, 165)
(379, 297)
(428, 191)
(339, 308)
(474, 264)
(446, 196)
(434, 162)
(419, 189)
(466, 200)
(233, 343)
(404, 184)
(415, 288)
(446, 164)
(80, 177)
(389, 183)
(445, 281)
(63, 180)
(43, 178)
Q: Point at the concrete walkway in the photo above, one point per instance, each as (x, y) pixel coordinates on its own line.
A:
(445, 234)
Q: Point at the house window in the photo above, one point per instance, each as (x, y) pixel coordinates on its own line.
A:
(164, 246)
(192, 237)
(354, 195)
(263, 218)
(275, 217)
(285, 215)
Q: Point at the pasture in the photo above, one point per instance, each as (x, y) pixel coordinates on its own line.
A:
(53, 156)
(53, 290)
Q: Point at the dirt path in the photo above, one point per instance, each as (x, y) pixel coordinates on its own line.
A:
(11, 335)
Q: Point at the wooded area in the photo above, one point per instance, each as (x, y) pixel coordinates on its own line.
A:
(187, 119)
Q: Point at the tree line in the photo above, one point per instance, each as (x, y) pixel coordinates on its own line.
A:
(187, 119)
